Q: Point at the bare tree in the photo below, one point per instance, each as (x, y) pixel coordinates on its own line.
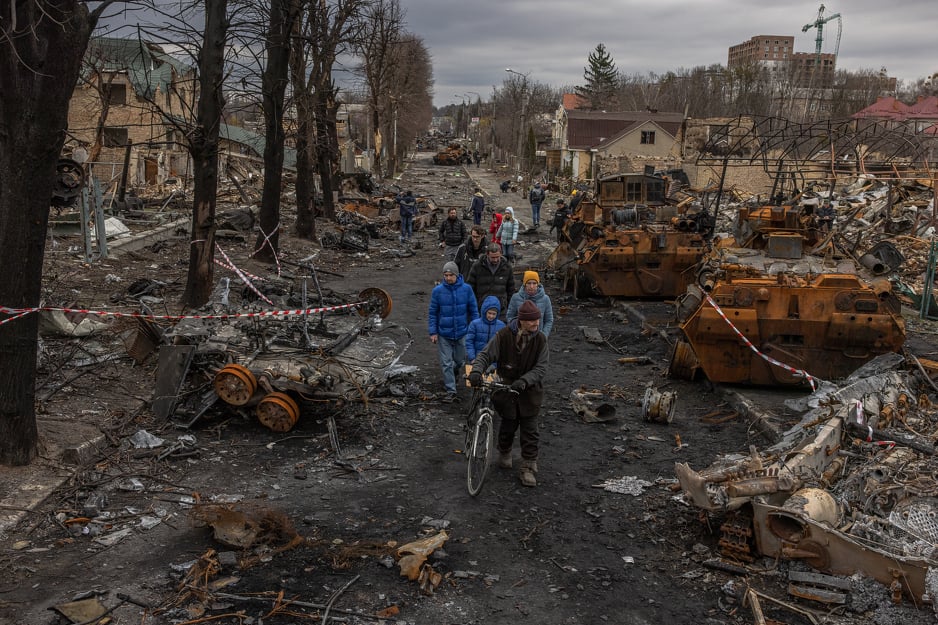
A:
(382, 25)
(42, 43)
(283, 16)
(411, 75)
(203, 146)
(325, 31)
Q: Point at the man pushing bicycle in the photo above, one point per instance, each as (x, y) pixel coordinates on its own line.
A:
(520, 350)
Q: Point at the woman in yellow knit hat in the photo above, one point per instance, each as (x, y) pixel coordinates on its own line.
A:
(533, 291)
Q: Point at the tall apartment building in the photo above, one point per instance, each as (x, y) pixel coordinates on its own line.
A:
(769, 50)
(777, 53)
(808, 73)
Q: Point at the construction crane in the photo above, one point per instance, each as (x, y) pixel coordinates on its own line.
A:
(819, 24)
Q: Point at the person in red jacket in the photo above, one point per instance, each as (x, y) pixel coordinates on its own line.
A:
(495, 223)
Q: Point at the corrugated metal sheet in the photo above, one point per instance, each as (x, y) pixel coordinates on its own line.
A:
(148, 67)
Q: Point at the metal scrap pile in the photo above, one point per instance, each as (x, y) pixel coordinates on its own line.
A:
(851, 489)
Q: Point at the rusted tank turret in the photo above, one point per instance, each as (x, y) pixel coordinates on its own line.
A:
(770, 314)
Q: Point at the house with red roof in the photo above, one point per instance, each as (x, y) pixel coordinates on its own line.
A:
(923, 115)
(581, 138)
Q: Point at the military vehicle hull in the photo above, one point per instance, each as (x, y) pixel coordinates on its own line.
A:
(750, 327)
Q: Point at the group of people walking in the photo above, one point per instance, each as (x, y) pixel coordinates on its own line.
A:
(480, 321)
(464, 322)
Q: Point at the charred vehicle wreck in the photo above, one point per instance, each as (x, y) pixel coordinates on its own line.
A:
(786, 299)
(770, 314)
(629, 240)
(276, 364)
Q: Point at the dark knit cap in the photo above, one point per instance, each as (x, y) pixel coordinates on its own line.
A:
(528, 311)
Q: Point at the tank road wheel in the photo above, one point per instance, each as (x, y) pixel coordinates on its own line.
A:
(377, 302)
(278, 411)
(235, 384)
(581, 286)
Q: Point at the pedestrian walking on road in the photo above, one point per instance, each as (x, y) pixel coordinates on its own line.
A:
(507, 234)
(471, 250)
(452, 308)
(561, 214)
(492, 275)
(484, 328)
(520, 350)
(495, 223)
(532, 291)
(536, 198)
(452, 234)
(408, 209)
(477, 207)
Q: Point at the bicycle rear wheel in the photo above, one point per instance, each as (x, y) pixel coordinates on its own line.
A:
(478, 452)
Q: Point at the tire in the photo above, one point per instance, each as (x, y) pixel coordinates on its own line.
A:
(478, 452)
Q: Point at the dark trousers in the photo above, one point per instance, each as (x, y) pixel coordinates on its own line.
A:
(511, 421)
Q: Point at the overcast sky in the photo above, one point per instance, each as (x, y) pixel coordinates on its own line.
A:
(472, 42)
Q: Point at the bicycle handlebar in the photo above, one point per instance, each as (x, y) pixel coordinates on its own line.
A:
(497, 386)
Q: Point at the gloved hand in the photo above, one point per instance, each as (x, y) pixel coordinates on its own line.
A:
(519, 385)
(475, 379)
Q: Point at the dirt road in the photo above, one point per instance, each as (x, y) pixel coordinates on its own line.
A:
(568, 551)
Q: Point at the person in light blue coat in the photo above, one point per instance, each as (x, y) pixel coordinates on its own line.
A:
(452, 309)
(507, 234)
(484, 328)
(533, 290)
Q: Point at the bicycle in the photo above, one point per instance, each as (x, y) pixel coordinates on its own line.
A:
(479, 433)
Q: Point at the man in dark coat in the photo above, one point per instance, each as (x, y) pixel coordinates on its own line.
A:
(452, 234)
(492, 275)
(520, 350)
(477, 207)
(408, 210)
(536, 198)
(471, 250)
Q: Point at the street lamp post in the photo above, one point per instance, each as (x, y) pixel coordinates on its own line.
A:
(524, 102)
(469, 117)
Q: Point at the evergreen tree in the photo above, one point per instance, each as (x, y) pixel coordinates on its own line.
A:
(602, 80)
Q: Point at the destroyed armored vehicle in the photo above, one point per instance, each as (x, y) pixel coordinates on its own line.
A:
(771, 314)
(630, 242)
(452, 154)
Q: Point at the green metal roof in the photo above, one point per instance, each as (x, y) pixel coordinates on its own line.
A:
(148, 67)
(256, 142)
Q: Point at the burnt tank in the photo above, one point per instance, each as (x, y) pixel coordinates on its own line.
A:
(773, 314)
(626, 240)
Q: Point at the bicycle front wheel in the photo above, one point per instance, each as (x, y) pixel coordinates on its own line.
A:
(480, 448)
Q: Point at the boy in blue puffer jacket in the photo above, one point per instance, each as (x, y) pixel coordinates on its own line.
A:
(484, 328)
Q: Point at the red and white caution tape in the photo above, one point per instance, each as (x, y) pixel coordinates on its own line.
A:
(798, 372)
(21, 312)
(242, 275)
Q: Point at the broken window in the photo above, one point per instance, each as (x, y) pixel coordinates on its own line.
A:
(633, 191)
(114, 137)
(648, 137)
(116, 94)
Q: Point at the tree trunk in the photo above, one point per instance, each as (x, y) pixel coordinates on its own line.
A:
(39, 66)
(305, 225)
(283, 14)
(327, 143)
(204, 150)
